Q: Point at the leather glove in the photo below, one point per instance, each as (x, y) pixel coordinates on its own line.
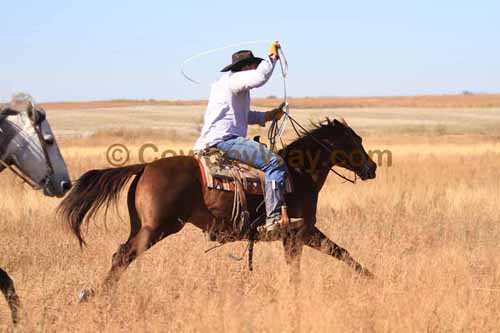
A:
(275, 113)
(274, 50)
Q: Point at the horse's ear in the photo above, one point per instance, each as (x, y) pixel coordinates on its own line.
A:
(341, 122)
(338, 128)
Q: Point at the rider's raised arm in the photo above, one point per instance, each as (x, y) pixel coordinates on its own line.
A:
(246, 80)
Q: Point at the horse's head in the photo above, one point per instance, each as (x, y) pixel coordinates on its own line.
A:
(348, 150)
(28, 145)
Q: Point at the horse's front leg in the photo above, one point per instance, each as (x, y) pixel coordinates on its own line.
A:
(293, 252)
(318, 241)
(7, 288)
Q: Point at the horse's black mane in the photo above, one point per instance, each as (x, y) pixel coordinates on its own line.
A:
(320, 130)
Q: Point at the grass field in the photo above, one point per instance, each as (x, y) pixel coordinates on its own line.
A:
(427, 226)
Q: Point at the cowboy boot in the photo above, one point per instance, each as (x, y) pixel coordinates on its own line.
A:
(275, 225)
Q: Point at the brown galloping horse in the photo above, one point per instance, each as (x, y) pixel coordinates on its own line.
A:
(167, 193)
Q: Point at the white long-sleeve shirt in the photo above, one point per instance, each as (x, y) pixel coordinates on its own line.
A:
(228, 111)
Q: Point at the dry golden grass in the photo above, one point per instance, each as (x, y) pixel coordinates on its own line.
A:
(183, 123)
(428, 227)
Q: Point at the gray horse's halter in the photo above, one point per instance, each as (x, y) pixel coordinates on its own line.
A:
(35, 123)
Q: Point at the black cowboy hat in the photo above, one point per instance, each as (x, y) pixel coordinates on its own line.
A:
(242, 59)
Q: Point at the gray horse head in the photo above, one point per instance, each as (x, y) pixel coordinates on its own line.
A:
(28, 146)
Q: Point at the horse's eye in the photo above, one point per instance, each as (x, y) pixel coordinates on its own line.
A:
(48, 138)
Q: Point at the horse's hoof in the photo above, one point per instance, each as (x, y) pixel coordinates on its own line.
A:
(84, 295)
(15, 317)
(15, 306)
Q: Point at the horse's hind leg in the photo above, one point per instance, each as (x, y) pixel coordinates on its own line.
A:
(318, 241)
(7, 288)
(128, 252)
(164, 197)
(124, 255)
(135, 224)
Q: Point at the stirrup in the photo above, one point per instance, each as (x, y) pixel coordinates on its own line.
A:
(287, 222)
(270, 231)
(273, 227)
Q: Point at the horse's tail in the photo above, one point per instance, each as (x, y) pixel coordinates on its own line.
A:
(94, 189)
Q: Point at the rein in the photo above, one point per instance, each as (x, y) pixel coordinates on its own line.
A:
(296, 124)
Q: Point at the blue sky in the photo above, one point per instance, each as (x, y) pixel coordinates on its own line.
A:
(87, 50)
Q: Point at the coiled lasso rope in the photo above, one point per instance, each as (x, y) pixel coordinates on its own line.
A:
(215, 50)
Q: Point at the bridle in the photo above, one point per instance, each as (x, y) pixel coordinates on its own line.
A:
(38, 130)
(329, 149)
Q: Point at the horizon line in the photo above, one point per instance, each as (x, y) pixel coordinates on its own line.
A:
(275, 97)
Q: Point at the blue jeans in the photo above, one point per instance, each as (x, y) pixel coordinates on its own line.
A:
(258, 156)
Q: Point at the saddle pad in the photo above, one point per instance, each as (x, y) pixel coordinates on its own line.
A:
(219, 173)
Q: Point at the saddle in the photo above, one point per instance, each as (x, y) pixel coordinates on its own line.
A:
(221, 173)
